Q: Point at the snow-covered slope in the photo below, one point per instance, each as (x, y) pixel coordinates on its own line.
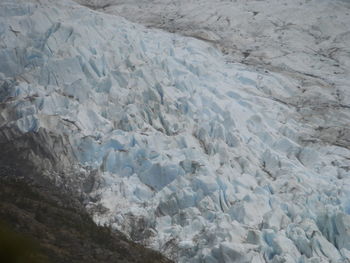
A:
(204, 160)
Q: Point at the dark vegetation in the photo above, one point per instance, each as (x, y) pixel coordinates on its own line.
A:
(41, 223)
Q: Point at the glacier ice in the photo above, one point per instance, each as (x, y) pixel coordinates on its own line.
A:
(196, 157)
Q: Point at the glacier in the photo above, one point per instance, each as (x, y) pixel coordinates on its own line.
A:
(201, 158)
(300, 38)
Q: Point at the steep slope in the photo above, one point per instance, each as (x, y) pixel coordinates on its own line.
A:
(52, 226)
(203, 160)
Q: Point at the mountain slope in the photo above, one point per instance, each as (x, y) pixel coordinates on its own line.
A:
(201, 159)
(56, 223)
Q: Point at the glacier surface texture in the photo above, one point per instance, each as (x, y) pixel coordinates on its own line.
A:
(183, 148)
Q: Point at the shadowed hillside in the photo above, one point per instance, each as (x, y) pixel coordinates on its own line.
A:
(41, 224)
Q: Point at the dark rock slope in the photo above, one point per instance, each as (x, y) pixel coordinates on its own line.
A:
(42, 223)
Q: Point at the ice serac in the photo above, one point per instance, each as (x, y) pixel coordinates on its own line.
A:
(182, 151)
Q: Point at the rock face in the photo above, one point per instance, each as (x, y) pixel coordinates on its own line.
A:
(164, 140)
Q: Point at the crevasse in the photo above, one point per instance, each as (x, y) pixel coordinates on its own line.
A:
(196, 157)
